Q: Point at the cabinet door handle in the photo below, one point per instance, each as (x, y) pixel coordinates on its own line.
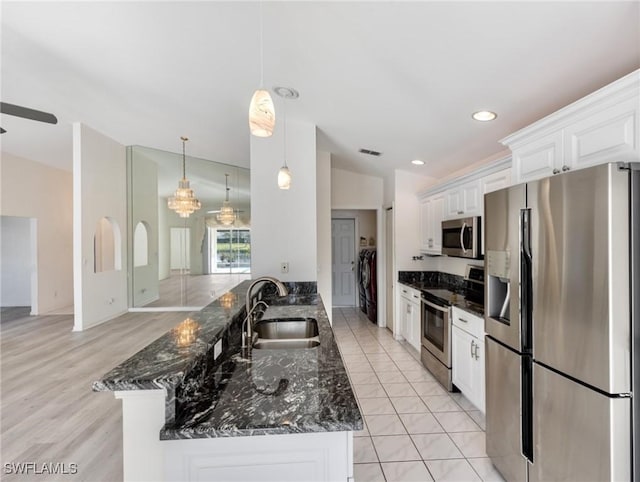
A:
(556, 171)
(462, 320)
(475, 352)
(565, 168)
(460, 212)
(472, 348)
(416, 297)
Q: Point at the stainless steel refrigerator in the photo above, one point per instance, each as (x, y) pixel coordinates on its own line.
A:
(562, 291)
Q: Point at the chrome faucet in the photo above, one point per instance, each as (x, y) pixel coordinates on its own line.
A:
(248, 332)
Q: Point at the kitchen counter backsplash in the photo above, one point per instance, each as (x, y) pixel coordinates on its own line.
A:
(433, 279)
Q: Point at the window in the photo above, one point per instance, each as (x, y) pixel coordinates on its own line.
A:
(230, 250)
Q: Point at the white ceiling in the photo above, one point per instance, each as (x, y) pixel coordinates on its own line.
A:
(399, 77)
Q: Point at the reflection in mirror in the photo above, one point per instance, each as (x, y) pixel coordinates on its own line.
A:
(191, 261)
(106, 246)
(140, 245)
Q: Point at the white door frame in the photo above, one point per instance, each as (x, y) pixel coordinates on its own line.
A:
(390, 270)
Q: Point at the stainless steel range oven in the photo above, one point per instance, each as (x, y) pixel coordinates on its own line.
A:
(436, 341)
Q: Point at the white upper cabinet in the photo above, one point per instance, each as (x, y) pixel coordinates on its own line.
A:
(464, 201)
(601, 127)
(495, 181)
(610, 135)
(540, 158)
(431, 215)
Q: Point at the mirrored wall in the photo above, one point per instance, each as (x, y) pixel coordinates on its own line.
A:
(189, 261)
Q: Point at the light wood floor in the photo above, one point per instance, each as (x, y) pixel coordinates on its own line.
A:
(48, 411)
(196, 290)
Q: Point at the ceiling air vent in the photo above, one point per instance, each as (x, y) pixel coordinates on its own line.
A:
(369, 152)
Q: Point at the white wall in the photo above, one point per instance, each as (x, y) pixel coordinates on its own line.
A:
(350, 190)
(323, 212)
(16, 261)
(33, 190)
(407, 220)
(283, 222)
(457, 266)
(99, 189)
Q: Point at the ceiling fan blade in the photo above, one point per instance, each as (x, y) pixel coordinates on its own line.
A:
(25, 112)
(2, 131)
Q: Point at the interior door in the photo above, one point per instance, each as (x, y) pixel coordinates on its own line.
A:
(343, 270)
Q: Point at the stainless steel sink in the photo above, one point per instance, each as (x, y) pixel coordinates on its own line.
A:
(286, 333)
(286, 328)
(263, 344)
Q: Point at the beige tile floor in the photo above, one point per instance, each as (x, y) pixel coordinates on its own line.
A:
(414, 429)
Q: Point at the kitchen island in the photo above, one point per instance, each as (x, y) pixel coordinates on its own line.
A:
(198, 407)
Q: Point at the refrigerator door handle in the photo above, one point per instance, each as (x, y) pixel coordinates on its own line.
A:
(526, 281)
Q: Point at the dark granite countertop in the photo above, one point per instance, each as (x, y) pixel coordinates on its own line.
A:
(268, 392)
(273, 391)
(443, 294)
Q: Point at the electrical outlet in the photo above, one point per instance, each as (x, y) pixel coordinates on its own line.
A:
(217, 349)
(284, 267)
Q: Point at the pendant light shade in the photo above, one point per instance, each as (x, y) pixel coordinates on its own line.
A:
(183, 200)
(284, 177)
(262, 115)
(227, 215)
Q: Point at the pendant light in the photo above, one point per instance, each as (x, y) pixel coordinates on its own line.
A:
(183, 201)
(284, 174)
(262, 114)
(226, 215)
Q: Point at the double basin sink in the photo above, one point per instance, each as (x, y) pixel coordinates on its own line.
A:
(286, 333)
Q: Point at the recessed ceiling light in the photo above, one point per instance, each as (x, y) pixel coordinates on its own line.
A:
(484, 115)
(417, 162)
(286, 92)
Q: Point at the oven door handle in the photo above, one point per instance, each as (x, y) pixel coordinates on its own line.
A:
(432, 305)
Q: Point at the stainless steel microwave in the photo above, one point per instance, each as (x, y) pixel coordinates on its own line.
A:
(462, 238)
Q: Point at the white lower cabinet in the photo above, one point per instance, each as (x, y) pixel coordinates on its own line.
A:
(410, 315)
(467, 356)
(323, 456)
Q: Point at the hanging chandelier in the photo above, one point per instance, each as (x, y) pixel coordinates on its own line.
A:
(262, 114)
(226, 215)
(183, 201)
